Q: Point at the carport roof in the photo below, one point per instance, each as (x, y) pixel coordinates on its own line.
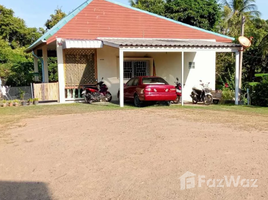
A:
(165, 43)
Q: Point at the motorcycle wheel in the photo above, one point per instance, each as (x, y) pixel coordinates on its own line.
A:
(208, 100)
(194, 101)
(108, 97)
(88, 99)
(177, 100)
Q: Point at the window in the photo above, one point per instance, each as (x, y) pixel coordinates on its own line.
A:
(133, 82)
(136, 68)
(130, 82)
(154, 80)
(191, 65)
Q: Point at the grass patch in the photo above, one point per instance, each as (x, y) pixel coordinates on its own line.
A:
(10, 115)
(250, 110)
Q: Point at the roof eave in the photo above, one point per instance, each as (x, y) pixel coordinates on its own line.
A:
(58, 26)
(31, 48)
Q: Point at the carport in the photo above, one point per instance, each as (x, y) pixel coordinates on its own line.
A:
(171, 45)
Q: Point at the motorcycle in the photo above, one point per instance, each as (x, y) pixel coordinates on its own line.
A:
(97, 93)
(202, 94)
(178, 92)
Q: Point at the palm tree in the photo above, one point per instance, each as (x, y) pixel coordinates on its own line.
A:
(242, 7)
(233, 10)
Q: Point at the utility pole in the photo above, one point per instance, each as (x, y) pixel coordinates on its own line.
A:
(241, 58)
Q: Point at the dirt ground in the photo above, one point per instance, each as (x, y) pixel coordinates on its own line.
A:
(136, 154)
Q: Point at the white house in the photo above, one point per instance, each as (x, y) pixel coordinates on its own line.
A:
(102, 38)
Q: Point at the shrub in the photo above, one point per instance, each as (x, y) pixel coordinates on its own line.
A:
(259, 95)
(227, 95)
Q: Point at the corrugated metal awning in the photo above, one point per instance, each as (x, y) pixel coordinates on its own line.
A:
(81, 44)
(166, 43)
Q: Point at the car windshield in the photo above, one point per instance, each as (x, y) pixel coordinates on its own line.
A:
(154, 80)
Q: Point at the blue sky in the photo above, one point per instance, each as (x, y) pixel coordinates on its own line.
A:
(36, 12)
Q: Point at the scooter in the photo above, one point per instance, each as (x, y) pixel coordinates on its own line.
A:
(178, 91)
(202, 94)
(97, 93)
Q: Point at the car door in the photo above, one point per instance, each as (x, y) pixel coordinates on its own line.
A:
(132, 88)
(127, 87)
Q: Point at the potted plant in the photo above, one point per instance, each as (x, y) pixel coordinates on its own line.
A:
(4, 103)
(22, 94)
(16, 102)
(23, 102)
(30, 101)
(35, 101)
(10, 103)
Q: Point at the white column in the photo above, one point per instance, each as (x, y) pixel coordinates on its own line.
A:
(236, 77)
(121, 77)
(45, 70)
(61, 78)
(36, 78)
(182, 77)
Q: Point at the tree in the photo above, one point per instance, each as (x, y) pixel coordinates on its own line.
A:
(233, 10)
(201, 13)
(242, 7)
(54, 18)
(154, 6)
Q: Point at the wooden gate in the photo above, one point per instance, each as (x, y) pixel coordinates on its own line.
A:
(46, 91)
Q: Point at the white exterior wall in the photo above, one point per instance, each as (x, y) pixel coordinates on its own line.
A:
(108, 68)
(205, 70)
(168, 66)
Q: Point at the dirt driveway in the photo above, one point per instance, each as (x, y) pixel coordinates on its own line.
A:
(136, 154)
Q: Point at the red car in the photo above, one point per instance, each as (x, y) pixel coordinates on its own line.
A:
(148, 88)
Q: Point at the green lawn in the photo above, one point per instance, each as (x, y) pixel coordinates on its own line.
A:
(232, 108)
(10, 115)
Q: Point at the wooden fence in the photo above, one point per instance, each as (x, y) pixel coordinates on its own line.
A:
(46, 91)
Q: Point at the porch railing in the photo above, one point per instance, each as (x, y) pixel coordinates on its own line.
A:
(73, 93)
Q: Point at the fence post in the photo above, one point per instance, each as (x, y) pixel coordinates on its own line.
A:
(248, 97)
(32, 94)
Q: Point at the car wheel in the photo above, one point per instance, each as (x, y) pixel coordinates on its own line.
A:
(208, 99)
(168, 103)
(137, 101)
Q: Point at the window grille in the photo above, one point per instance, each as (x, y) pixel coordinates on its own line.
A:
(136, 68)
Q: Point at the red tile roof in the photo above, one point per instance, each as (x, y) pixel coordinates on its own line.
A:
(102, 18)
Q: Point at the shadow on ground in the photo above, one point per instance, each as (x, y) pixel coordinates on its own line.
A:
(10, 190)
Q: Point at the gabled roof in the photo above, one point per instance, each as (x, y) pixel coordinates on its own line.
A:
(58, 26)
(106, 18)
